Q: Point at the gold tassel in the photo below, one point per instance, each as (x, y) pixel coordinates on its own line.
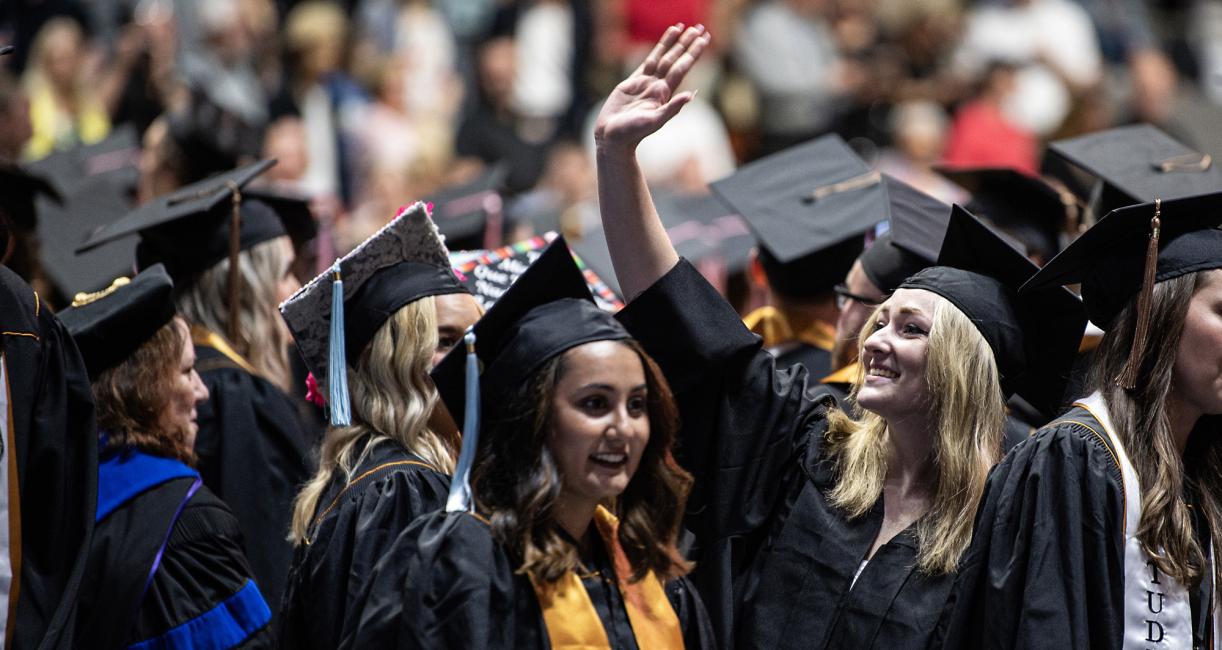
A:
(1128, 376)
(235, 274)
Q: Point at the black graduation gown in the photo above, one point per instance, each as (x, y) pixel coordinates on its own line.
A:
(253, 454)
(774, 559)
(446, 583)
(816, 360)
(391, 488)
(201, 591)
(53, 442)
(1046, 565)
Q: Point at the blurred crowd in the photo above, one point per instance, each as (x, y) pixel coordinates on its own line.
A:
(368, 104)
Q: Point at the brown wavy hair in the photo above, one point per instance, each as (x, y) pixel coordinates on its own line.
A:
(516, 481)
(131, 396)
(1141, 421)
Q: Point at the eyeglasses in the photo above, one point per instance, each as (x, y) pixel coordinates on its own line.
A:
(843, 296)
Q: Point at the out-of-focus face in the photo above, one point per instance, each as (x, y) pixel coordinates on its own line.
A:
(1196, 377)
(600, 421)
(895, 355)
(455, 313)
(61, 58)
(15, 127)
(853, 315)
(186, 390)
(156, 177)
(498, 70)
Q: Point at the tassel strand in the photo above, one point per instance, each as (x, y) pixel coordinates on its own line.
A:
(337, 358)
(460, 498)
(1128, 376)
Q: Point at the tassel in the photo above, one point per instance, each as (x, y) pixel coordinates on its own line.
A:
(460, 499)
(1128, 376)
(235, 271)
(337, 359)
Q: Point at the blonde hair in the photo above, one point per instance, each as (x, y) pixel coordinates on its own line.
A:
(263, 337)
(392, 399)
(968, 412)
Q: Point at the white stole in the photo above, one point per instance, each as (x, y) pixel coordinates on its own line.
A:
(1157, 609)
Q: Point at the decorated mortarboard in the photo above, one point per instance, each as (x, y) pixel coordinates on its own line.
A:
(1034, 336)
(1131, 249)
(546, 312)
(809, 207)
(1026, 207)
(1137, 164)
(489, 274)
(469, 213)
(109, 326)
(335, 315)
(916, 226)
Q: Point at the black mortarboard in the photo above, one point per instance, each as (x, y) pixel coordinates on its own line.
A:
(548, 311)
(292, 208)
(489, 274)
(109, 325)
(210, 138)
(1034, 336)
(809, 207)
(1027, 208)
(21, 189)
(469, 214)
(1108, 259)
(917, 225)
(404, 261)
(1138, 164)
(701, 226)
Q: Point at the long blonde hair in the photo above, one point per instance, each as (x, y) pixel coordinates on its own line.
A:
(968, 412)
(263, 337)
(392, 399)
(1141, 421)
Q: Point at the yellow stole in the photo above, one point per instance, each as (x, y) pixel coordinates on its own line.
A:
(206, 337)
(845, 375)
(778, 328)
(572, 622)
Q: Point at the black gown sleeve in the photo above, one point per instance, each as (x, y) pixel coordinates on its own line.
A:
(253, 455)
(1045, 568)
(204, 584)
(328, 574)
(444, 583)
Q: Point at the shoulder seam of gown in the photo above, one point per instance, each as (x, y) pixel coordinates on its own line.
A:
(1111, 452)
(335, 502)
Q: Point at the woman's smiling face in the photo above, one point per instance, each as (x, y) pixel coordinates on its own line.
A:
(895, 354)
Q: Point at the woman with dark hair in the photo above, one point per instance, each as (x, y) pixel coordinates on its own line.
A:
(166, 566)
(1103, 529)
(403, 310)
(814, 529)
(562, 517)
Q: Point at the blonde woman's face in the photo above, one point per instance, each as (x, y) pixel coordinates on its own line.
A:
(1197, 375)
(600, 421)
(894, 356)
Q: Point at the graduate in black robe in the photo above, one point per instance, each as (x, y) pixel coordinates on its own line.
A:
(165, 565)
(253, 451)
(398, 462)
(1057, 560)
(49, 454)
(452, 581)
(777, 562)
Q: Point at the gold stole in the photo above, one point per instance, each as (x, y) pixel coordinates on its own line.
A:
(203, 336)
(572, 622)
(778, 328)
(845, 375)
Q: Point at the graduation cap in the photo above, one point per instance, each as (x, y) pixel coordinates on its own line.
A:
(916, 227)
(210, 137)
(469, 214)
(489, 274)
(110, 325)
(293, 208)
(1130, 250)
(1139, 163)
(22, 187)
(335, 315)
(809, 207)
(1024, 206)
(700, 226)
(547, 312)
(1034, 336)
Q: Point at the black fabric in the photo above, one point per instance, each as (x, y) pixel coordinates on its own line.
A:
(203, 564)
(1024, 206)
(813, 275)
(361, 521)
(773, 558)
(446, 583)
(385, 292)
(1109, 259)
(816, 360)
(54, 441)
(195, 244)
(887, 265)
(255, 456)
(109, 329)
(1045, 568)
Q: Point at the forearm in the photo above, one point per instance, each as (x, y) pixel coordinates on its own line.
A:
(641, 253)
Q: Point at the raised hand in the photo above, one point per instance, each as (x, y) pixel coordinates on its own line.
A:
(646, 100)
